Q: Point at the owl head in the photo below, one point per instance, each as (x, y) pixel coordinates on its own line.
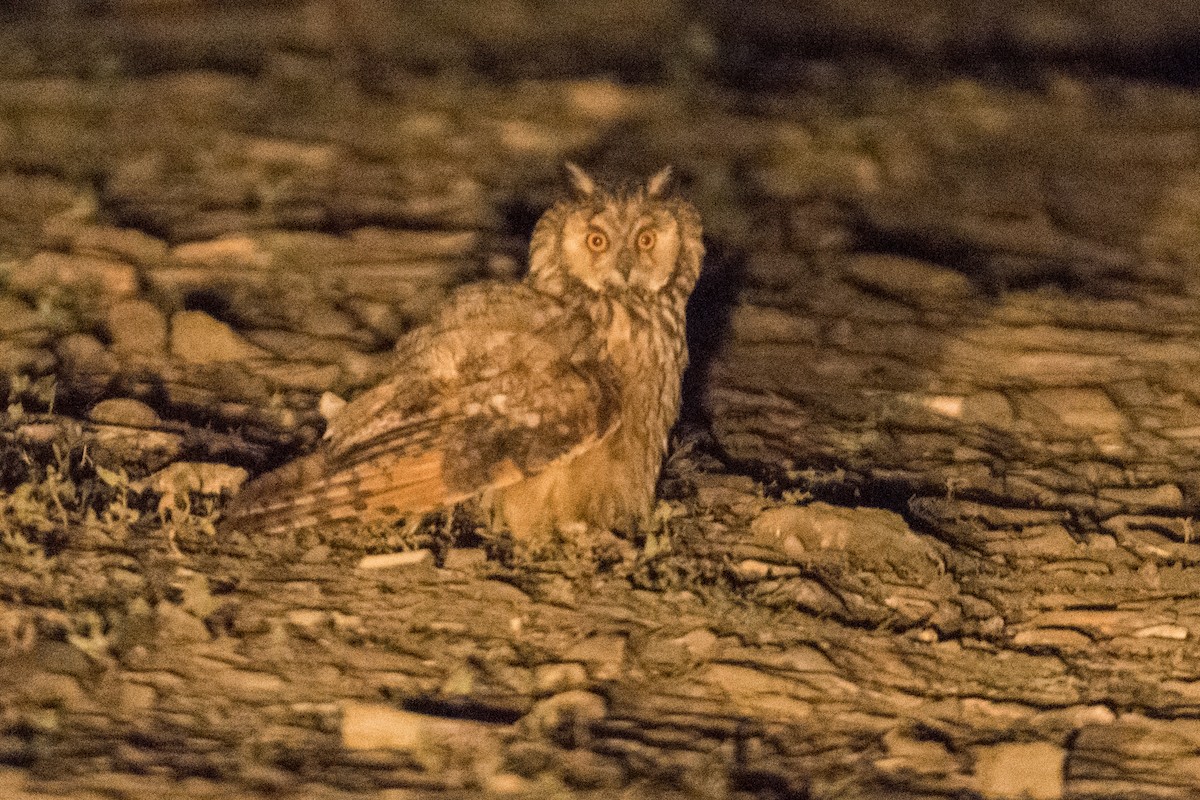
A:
(625, 240)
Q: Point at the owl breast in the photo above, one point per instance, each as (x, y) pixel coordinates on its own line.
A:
(612, 485)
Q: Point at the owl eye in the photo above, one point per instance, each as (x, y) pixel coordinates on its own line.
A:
(597, 242)
(646, 240)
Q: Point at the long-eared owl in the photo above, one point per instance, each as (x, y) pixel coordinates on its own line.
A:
(549, 401)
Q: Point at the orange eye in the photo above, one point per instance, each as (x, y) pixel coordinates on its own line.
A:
(646, 240)
(597, 242)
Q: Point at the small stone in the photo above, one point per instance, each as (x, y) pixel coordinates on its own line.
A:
(126, 244)
(1164, 631)
(17, 316)
(465, 558)
(317, 554)
(530, 759)
(388, 560)
(604, 655)
(137, 327)
(910, 281)
(87, 273)
(560, 677)
(325, 320)
(197, 338)
(752, 569)
(1031, 770)
(699, 643)
(330, 405)
(54, 690)
(378, 317)
(1164, 496)
(374, 726)
(124, 411)
(923, 757)
(731, 491)
(506, 783)
(307, 618)
(270, 780)
(601, 100)
(371, 726)
(987, 407)
(83, 353)
(584, 769)
(237, 250)
(1082, 409)
(300, 375)
(249, 684)
(16, 359)
(295, 347)
(567, 713)
(63, 658)
(137, 697)
(176, 625)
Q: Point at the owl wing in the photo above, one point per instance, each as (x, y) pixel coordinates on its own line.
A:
(504, 383)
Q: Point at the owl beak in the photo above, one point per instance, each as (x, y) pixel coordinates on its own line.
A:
(625, 264)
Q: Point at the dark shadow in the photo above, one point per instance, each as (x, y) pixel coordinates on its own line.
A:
(211, 300)
(708, 316)
(993, 273)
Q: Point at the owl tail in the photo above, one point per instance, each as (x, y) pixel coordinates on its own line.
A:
(308, 493)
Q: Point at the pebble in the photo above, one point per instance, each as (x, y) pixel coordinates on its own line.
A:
(17, 316)
(322, 319)
(297, 375)
(603, 654)
(298, 346)
(232, 249)
(909, 280)
(330, 405)
(88, 273)
(49, 689)
(124, 411)
(176, 625)
(316, 555)
(575, 708)
(462, 558)
(372, 726)
(18, 359)
(375, 726)
(559, 677)
(1032, 770)
(378, 317)
(249, 684)
(699, 643)
(197, 338)
(407, 558)
(63, 658)
(83, 353)
(126, 244)
(137, 697)
(308, 618)
(136, 327)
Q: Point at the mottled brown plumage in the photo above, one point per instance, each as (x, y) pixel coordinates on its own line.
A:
(549, 400)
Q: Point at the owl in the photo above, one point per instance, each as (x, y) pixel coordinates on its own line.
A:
(548, 402)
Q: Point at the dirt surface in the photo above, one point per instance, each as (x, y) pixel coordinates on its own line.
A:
(927, 525)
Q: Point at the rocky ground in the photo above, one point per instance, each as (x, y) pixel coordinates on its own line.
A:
(927, 525)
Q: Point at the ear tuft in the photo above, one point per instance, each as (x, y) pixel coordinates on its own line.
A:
(660, 182)
(580, 181)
